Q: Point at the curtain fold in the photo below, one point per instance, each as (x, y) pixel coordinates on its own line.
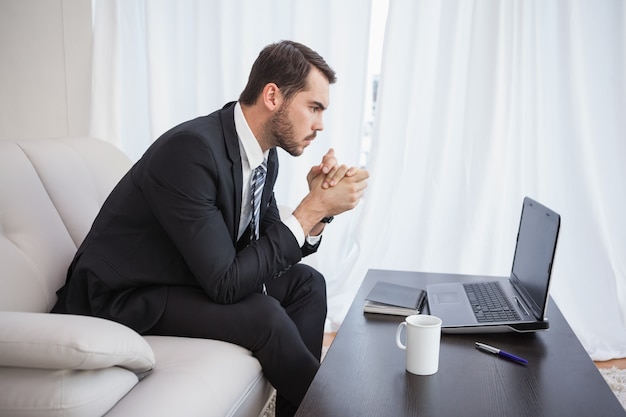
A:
(481, 103)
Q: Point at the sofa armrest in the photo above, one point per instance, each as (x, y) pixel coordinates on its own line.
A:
(64, 341)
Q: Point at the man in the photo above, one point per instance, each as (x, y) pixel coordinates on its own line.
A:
(179, 247)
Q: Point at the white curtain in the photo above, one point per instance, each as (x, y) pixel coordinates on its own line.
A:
(160, 62)
(482, 102)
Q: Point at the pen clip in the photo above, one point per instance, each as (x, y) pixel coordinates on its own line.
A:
(487, 348)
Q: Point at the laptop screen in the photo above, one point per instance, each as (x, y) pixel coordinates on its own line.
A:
(534, 253)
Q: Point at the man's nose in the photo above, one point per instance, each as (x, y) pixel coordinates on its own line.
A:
(318, 123)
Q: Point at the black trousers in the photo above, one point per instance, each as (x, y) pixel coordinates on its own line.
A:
(284, 329)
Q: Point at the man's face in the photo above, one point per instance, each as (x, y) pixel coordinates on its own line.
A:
(295, 124)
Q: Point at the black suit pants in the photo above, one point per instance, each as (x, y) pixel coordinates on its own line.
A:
(284, 329)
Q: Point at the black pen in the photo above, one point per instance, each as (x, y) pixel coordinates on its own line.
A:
(501, 353)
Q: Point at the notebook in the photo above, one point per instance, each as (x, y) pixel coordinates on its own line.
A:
(525, 290)
(399, 300)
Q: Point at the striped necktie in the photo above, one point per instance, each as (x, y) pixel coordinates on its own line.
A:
(256, 187)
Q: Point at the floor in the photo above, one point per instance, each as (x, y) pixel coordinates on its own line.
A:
(328, 339)
(618, 363)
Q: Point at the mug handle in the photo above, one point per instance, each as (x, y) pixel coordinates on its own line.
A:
(398, 331)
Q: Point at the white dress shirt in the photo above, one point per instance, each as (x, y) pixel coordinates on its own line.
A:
(251, 157)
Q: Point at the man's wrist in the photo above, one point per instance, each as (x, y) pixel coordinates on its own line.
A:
(308, 213)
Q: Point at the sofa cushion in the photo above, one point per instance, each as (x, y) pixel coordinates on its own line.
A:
(35, 247)
(50, 393)
(64, 341)
(211, 378)
(50, 192)
(78, 174)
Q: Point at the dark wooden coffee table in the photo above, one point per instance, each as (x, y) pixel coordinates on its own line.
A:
(363, 372)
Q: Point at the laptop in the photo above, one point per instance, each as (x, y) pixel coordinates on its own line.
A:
(525, 292)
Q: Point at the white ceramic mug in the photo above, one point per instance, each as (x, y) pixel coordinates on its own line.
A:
(423, 337)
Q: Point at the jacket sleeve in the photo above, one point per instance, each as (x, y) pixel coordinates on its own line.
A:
(273, 216)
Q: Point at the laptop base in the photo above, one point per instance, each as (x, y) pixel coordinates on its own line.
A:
(499, 328)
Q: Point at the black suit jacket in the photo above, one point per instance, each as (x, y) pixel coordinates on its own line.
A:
(173, 220)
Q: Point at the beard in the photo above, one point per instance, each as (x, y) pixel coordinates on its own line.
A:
(279, 131)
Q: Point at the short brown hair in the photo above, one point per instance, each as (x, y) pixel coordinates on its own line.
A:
(287, 64)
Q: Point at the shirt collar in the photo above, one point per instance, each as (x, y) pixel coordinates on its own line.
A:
(252, 151)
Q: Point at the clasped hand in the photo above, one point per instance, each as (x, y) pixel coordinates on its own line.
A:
(337, 188)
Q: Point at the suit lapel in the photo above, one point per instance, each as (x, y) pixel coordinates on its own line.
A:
(231, 142)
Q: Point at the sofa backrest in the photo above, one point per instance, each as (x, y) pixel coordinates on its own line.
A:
(50, 192)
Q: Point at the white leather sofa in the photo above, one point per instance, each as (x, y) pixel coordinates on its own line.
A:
(64, 365)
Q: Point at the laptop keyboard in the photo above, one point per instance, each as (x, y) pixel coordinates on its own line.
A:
(488, 303)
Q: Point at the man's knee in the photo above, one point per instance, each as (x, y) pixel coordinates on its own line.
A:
(312, 277)
(301, 291)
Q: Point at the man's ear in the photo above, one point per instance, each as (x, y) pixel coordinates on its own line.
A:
(272, 98)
